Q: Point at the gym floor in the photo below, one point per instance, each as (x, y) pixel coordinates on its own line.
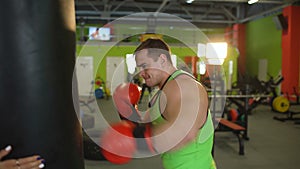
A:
(273, 144)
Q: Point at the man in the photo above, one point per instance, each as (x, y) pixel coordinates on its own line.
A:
(182, 129)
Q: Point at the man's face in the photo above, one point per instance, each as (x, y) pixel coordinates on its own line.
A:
(148, 69)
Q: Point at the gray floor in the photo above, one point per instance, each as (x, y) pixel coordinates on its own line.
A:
(272, 145)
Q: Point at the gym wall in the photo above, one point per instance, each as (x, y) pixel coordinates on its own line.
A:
(263, 41)
(100, 51)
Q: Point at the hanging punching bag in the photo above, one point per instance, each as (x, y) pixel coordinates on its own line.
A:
(37, 50)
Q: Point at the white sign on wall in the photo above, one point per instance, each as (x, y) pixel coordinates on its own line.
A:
(85, 75)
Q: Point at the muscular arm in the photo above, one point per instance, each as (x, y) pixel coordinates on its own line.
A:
(184, 106)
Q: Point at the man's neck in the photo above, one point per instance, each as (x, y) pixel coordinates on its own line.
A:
(167, 73)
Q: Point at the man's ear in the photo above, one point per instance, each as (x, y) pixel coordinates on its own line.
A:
(163, 58)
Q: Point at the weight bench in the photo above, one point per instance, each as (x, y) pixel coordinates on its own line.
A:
(225, 125)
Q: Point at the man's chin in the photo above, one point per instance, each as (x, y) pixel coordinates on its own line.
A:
(148, 83)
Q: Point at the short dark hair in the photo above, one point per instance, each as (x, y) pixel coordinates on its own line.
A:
(155, 47)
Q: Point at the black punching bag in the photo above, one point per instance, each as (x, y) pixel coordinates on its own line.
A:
(37, 50)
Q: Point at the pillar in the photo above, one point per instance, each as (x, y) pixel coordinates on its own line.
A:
(291, 50)
(239, 41)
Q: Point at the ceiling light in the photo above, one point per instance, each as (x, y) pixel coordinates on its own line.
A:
(189, 1)
(216, 53)
(252, 1)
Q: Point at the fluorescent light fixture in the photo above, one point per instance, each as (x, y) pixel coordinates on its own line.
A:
(189, 1)
(252, 1)
(216, 50)
(216, 53)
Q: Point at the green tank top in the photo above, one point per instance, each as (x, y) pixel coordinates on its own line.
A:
(196, 154)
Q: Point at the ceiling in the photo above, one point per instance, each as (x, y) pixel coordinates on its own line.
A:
(202, 13)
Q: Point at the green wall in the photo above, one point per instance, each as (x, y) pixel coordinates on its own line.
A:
(263, 41)
(100, 52)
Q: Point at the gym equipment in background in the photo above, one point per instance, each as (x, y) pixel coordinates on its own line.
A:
(234, 115)
(282, 104)
(101, 90)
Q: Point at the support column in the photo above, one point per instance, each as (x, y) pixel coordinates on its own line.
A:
(291, 49)
(239, 41)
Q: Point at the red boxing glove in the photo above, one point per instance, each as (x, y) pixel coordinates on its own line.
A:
(117, 142)
(123, 139)
(125, 96)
